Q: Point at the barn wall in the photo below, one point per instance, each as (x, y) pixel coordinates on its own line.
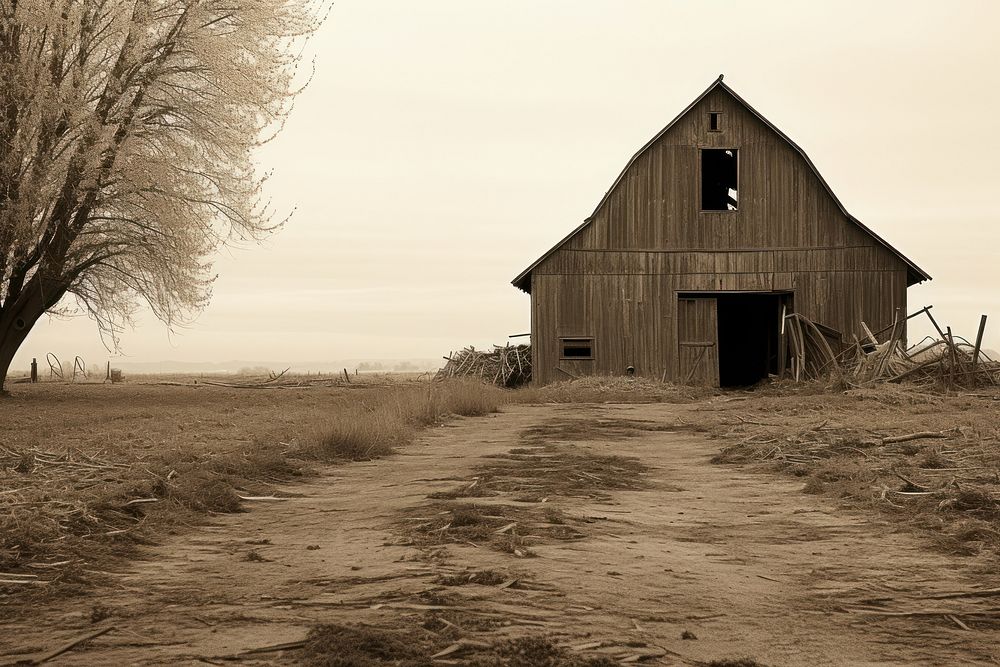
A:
(617, 279)
(633, 317)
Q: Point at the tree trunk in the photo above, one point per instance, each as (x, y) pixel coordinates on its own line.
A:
(16, 321)
(8, 347)
(10, 342)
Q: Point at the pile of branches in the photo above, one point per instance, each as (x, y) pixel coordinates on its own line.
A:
(949, 361)
(952, 362)
(507, 366)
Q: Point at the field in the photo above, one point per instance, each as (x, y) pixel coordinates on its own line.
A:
(396, 521)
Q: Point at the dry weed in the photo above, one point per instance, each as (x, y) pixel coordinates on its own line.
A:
(64, 507)
(499, 527)
(735, 662)
(414, 645)
(532, 652)
(553, 470)
(612, 389)
(930, 461)
(387, 420)
(153, 459)
(365, 646)
(530, 476)
(480, 577)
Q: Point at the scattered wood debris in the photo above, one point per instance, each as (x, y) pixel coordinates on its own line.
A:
(818, 352)
(69, 646)
(507, 366)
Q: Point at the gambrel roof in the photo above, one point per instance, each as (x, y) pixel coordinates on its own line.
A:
(914, 273)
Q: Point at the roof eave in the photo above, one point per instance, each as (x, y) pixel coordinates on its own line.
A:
(912, 267)
(525, 276)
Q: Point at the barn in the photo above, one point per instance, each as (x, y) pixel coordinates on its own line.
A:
(718, 227)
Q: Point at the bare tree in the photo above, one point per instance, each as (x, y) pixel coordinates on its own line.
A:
(127, 138)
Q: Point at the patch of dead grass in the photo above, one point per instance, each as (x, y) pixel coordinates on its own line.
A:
(532, 652)
(613, 389)
(65, 507)
(504, 528)
(92, 472)
(735, 662)
(537, 473)
(841, 444)
(334, 645)
(478, 577)
(380, 423)
(530, 476)
(413, 644)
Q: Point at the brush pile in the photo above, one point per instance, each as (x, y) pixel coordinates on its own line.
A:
(953, 362)
(949, 361)
(507, 366)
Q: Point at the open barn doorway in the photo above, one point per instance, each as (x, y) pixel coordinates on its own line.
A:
(731, 339)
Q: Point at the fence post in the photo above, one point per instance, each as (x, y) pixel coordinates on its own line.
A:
(979, 342)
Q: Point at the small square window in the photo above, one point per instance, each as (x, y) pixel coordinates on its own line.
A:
(576, 348)
(715, 121)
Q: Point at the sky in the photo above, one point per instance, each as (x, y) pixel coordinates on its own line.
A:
(442, 146)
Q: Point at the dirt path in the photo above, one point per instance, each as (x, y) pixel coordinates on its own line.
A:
(743, 561)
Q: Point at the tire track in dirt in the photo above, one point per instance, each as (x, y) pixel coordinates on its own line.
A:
(740, 560)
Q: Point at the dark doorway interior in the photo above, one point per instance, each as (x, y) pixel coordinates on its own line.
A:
(749, 337)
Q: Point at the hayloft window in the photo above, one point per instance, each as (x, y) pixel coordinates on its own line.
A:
(715, 121)
(719, 179)
(576, 348)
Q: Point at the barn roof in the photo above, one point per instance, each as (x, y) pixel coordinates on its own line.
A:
(914, 273)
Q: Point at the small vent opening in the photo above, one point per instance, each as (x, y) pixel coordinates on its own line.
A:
(576, 348)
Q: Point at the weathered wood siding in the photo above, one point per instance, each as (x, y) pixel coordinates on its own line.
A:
(698, 341)
(618, 278)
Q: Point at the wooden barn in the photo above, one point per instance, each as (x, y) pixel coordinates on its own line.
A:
(714, 229)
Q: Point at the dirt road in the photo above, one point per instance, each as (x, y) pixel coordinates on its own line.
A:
(739, 562)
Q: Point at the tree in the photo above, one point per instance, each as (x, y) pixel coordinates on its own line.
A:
(128, 130)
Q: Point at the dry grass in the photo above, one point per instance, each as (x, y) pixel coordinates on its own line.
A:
(510, 529)
(382, 421)
(735, 662)
(66, 512)
(841, 444)
(413, 645)
(376, 425)
(479, 577)
(532, 652)
(561, 470)
(516, 488)
(549, 466)
(88, 473)
(612, 389)
(364, 646)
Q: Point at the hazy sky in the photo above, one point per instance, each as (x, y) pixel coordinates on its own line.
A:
(443, 146)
